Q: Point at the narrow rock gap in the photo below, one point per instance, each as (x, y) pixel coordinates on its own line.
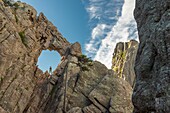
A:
(77, 78)
(89, 100)
(101, 104)
(5, 38)
(8, 86)
(30, 101)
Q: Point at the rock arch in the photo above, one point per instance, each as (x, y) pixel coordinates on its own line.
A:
(23, 86)
(53, 40)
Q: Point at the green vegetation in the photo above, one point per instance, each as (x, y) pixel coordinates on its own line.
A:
(84, 68)
(53, 90)
(11, 3)
(123, 55)
(7, 2)
(84, 62)
(1, 80)
(23, 8)
(15, 13)
(16, 18)
(90, 63)
(16, 5)
(23, 38)
(84, 59)
(118, 61)
(116, 69)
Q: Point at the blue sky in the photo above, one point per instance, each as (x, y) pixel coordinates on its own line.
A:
(96, 24)
(69, 16)
(71, 19)
(112, 22)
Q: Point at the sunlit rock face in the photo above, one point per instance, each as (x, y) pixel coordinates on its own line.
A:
(123, 60)
(78, 85)
(152, 67)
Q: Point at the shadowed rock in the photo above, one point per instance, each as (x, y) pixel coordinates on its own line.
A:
(152, 90)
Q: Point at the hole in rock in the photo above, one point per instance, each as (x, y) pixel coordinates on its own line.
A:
(48, 59)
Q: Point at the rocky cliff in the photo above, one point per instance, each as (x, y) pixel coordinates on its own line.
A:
(152, 67)
(123, 60)
(78, 85)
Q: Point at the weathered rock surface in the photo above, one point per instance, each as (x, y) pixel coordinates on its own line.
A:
(123, 60)
(152, 67)
(78, 85)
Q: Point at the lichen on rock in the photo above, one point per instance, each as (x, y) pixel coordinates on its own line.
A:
(123, 60)
(152, 90)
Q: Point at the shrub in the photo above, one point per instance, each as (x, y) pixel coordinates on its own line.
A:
(123, 54)
(1, 80)
(85, 68)
(7, 2)
(23, 38)
(84, 59)
(90, 64)
(16, 5)
(16, 18)
(116, 69)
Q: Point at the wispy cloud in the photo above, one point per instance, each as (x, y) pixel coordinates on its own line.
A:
(97, 33)
(112, 21)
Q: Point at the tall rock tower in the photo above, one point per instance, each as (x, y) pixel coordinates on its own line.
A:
(123, 60)
(152, 90)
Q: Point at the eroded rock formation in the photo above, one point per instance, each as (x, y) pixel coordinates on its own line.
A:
(78, 85)
(123, 60)
(152, 90)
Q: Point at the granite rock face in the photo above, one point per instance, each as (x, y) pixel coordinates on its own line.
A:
(78, 85)
(152, 90)
(123, 60)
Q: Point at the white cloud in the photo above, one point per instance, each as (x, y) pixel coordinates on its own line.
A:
(97, 33)
(118, 33)
(106, 34)
(93, 11)
(98, 30)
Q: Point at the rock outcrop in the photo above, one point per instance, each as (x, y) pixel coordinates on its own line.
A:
(78, 85)
(123, 60)
(152, 67)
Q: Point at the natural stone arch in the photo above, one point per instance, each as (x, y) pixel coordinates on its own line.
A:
(21, 43)
(48, 61)
(49, 36)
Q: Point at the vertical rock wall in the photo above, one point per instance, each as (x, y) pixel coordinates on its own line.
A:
(152, 91)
